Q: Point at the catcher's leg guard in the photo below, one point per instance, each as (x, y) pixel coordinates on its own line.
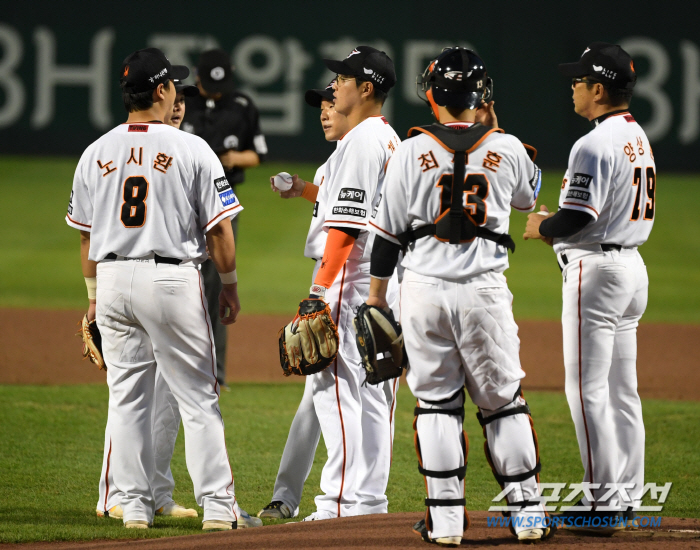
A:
(512, 451)
(442, 447)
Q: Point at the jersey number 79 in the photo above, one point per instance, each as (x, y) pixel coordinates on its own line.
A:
(650, 184)
(133, 213)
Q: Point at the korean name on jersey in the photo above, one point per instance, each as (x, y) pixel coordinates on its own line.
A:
(616, 185)
(152, 188)
(499, 174)
(352, 185)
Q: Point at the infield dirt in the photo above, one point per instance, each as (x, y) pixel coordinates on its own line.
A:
(39, 347)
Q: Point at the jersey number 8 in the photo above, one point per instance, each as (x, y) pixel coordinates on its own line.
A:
(133, 213)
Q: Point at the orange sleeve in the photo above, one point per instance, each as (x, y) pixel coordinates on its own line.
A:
(338, 247)
(310, 192)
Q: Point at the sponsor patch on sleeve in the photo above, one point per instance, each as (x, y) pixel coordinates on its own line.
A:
(350, 211)
(536, 181)
(351, 194)
(581, 180)
(576, 194)
(223, 188)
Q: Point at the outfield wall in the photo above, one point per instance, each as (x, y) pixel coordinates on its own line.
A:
(59, 63)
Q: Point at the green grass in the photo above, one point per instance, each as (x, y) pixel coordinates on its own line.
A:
(41, 268)
(51, 454)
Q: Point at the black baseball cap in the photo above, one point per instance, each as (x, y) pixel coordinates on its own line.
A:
(144, 69)
(367, 63)
(605, 63)
(315, 97)
(187, 89)
(215, 72)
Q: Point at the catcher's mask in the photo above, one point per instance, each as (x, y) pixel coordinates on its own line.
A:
(456, 78)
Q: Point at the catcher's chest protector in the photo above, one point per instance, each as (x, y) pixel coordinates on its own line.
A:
(455, 225)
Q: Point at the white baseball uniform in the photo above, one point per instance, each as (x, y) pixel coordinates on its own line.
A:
(165, 425)
(148, 193)
(456, 315)
(356, 420)
(611, 176)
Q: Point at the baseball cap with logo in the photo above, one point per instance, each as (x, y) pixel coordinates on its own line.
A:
(144, 69)
(315, 97)
(366, 63)
(215, 72)
(187, 89)
(605, 63)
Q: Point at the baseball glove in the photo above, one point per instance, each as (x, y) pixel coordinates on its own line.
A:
(92, 342)
(380, 343)
(310, 342)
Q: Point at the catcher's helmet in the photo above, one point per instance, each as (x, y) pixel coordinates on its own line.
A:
(456, 78)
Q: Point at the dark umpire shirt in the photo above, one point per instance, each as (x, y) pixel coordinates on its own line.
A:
(232, 122)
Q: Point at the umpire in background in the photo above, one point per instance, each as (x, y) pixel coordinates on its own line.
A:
(229, 122)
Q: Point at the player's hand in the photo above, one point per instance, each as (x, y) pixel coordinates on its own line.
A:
(229, 304)
(91, 310)
(532, 228)
(228, 159)
(296, 190)
(486, 115)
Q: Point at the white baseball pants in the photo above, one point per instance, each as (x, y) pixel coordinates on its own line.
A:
(462, 333)
(356, 420)
(165, 426)
(152, 315)
(604, 296)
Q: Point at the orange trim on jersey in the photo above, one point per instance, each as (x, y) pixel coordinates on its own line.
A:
(77, 223)
(109, 457)
(382, 230)
(580, 382)
(310, 191)
(332, 222)
(583, 205)
(209, 333)
(424, 131)
(338, 248)
(391, 420)
(531, 148)
(337, 395)
(524, 209)
(221, 214)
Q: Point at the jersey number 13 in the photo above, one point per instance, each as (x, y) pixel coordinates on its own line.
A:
(476, 187)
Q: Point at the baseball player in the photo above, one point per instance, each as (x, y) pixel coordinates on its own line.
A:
(355, 420)
(166, 415)
(305, 430)
(455, 304)
(606, 211)
(146, 198)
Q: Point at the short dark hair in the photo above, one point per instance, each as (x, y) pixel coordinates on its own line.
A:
(617, 96)
(379, 95)
(141, 101)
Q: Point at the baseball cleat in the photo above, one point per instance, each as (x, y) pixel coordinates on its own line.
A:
(631, 519)
(447, 542)
(318, 515)
(173, 509)
(275, 510)
(531, 535)
(115, 512)
(246, 521)
(591, 522)
(136, 524)
(218, 525)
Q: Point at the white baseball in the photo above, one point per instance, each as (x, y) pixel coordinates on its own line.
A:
(283, 181)
(544, 213)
